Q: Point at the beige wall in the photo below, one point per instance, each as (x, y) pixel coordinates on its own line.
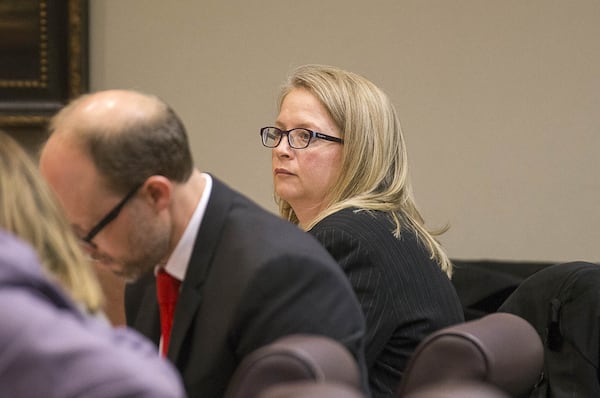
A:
(500, 100)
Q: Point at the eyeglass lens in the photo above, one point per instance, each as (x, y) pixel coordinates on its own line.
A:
(297, 138)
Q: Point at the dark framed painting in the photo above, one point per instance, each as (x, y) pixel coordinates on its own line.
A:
(43, 58)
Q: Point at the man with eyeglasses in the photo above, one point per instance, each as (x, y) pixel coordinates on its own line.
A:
(120, 164)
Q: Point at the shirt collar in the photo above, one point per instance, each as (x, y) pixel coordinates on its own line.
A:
(179, 260)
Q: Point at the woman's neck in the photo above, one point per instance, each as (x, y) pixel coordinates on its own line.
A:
(306, 214)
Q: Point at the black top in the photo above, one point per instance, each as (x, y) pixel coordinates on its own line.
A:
(404, 294)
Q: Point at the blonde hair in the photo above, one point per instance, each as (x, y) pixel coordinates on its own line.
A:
(29, 210)
(374, 172)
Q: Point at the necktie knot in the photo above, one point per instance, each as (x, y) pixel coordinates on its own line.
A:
(167, 291)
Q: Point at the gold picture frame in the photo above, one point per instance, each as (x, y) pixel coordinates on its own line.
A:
(43, 58)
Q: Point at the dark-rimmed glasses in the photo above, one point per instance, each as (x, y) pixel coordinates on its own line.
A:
(298, 138)
(109, 217)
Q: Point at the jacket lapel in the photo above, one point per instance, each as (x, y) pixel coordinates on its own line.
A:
(207, 239)
(147, 320)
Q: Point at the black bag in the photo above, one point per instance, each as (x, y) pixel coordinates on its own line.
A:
(562, 302)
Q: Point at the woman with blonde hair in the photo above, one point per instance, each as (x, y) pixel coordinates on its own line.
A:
(29, 210)
(340, 171)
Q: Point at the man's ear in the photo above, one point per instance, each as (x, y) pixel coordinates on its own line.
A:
(158, 191)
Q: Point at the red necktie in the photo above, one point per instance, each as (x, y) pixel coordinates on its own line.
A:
(167, 291)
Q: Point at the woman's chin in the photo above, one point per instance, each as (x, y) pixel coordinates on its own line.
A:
(285, 195)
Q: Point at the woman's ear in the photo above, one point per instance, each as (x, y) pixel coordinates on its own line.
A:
(157, 191)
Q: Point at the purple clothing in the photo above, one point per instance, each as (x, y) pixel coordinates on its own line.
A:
(48, 348)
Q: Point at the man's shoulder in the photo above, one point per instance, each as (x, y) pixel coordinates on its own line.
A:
(261, 220)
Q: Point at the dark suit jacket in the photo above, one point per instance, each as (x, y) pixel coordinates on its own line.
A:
(252, 278)
(404, 294)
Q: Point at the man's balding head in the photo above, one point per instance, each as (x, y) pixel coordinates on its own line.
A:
(127, 135)
(110, 111)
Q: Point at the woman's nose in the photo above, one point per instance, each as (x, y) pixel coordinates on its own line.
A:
(284, 147)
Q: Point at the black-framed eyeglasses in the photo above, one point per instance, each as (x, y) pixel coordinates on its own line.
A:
(298, 138)
(109, 217)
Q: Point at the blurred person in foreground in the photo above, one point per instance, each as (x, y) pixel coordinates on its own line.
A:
(340, 171)
(239, 277)
(29, 211)
(50, 344)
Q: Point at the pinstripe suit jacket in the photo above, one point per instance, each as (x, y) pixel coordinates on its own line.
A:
(403, 293)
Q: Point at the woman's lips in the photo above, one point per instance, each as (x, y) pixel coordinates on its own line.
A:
(279, 171)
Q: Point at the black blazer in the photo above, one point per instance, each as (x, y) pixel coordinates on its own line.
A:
(252, 278)
(403, 293)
